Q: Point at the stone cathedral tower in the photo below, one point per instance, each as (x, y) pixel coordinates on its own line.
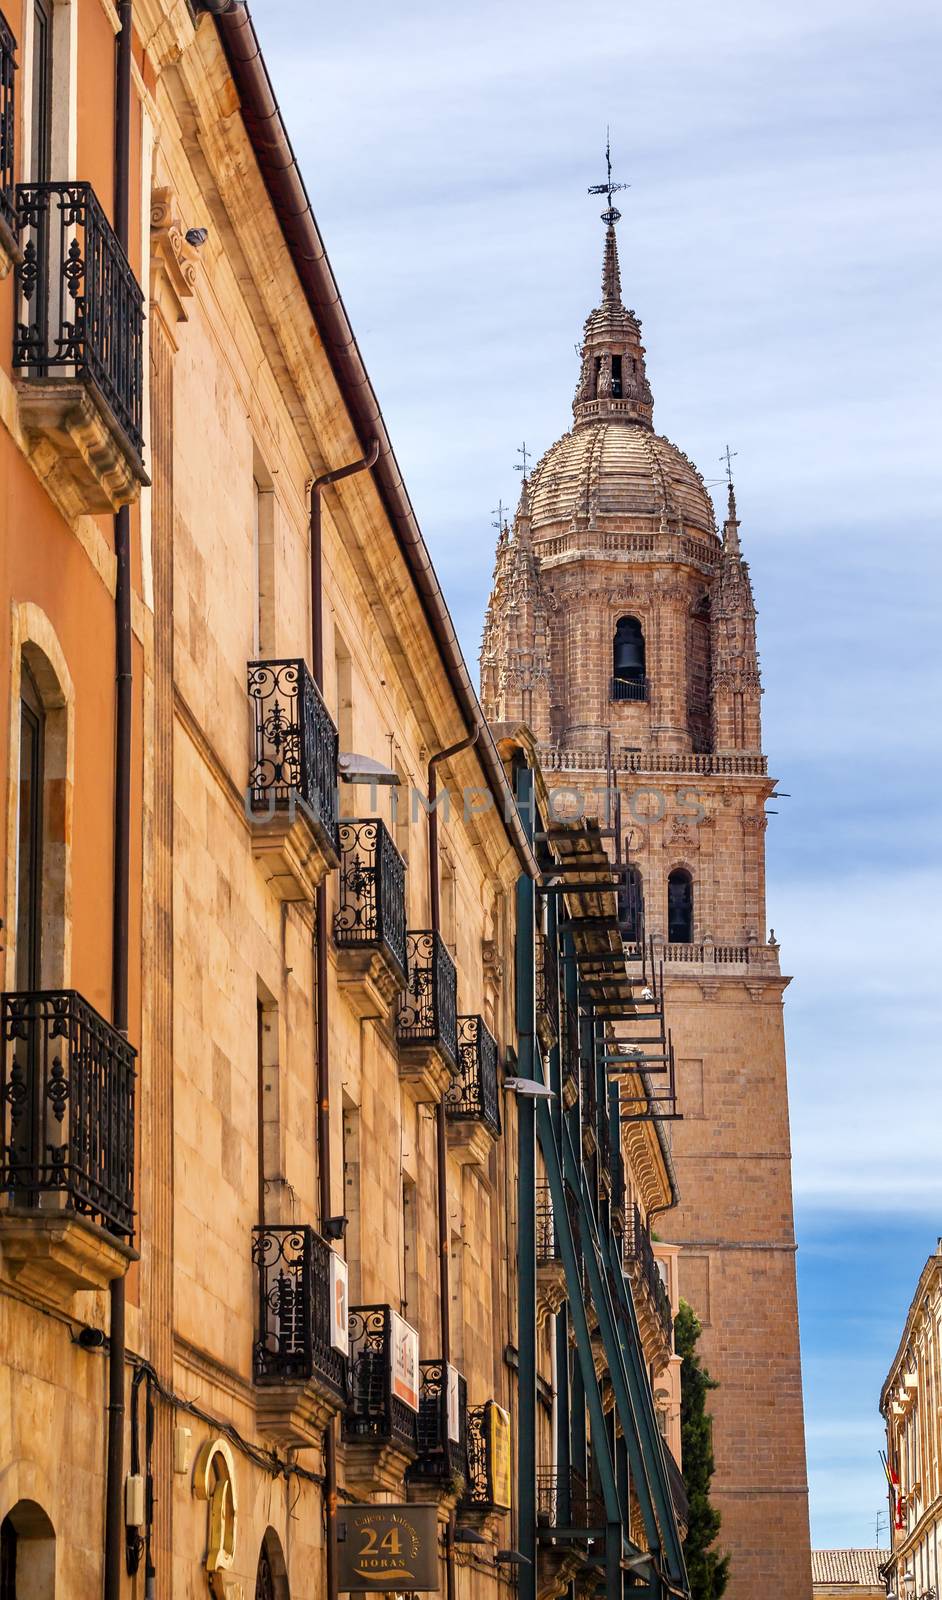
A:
(621, 628)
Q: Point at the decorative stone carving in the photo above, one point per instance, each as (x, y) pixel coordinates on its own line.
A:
(77, 448)
(173, 262)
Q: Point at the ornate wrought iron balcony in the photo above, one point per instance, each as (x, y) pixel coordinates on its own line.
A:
(78, 335)
(589, 1107)
(441, 1426)
(427, 1025)
(489, 1460)
(644, 1271)
(566, 1503)
(619, 1189)
(376, 1415)
(569, 1053)
(66, 1110)
(293, 781)
(629, 689)
(293, 1343)
(472, 1095)
(372, 913)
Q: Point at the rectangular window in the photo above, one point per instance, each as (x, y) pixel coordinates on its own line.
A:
(410, 1252)
(263, 559)
(351, 1198)
(41, 83)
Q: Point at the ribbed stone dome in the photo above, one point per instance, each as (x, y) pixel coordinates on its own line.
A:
(619, 475)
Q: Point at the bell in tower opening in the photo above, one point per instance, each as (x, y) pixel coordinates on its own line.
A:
(628, 663)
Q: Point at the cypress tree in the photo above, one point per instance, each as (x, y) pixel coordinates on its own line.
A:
(707, 1570)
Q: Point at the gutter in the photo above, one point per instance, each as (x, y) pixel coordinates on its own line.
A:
(291, 203)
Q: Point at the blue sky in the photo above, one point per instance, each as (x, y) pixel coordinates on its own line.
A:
(780, 242)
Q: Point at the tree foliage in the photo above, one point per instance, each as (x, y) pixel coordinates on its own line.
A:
(707, 1570)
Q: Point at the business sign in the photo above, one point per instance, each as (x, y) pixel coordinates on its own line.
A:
(404, 1361)
(497, 1424)
(339, 1327)
(454, 1404)
(387, 1548)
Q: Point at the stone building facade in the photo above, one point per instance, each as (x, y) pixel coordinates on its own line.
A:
(911, 1405)
(316, 1192)
(621, 629)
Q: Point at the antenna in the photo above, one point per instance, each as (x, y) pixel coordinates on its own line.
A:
(608, 188)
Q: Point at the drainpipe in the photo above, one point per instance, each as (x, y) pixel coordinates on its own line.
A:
(320, 979)
(441, 1139)
(114, 1511)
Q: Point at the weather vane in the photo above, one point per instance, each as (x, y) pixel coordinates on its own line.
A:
(500, 512)
(609, 188)
(727, 456)
(522, 466)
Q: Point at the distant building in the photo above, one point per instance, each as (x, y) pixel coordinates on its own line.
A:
(910, 1404)
(854, 1574)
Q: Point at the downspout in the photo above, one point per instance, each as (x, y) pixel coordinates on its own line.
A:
(441, 1137)
(320, 982)
(114, 1513)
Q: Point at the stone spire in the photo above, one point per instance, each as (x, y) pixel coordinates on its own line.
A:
(736, 680)
(515, 647)
(613, 383)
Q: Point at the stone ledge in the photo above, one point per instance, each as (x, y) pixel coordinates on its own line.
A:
(76, 447)
(373, 1468)
(56, 1254)
(470, 1141)
(425, 1072)
(295, 1415)
(294, 853)
(370, 980)
(551, 1290)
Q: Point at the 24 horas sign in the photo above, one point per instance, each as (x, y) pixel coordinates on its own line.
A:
(387, 1547)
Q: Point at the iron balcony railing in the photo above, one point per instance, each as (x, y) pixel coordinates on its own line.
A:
(566, 1500)
(603, 1137)
(482, 1490)
(547, 987)
(589, 1098)
(296, 745)
(547, 1237)
(629, 689)
(440, 1455)
(472, 1095)
(293, 1336)
(639, 1249)
(66, 1109)
(81, 311)
(428, 1010)
(7, 124)
(372, 913)
(374, 1413)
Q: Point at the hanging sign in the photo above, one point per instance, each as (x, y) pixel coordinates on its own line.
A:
(387, 1547)
(404, 1361)
(339, 1327)
(498, 1455)
(454, 1404)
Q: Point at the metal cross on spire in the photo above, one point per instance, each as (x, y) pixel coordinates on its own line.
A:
(608, 187)
(500, 512)
(727, 456)
(522, 466)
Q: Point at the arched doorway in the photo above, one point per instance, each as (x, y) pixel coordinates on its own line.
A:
(271, 1577)
(27, 1554)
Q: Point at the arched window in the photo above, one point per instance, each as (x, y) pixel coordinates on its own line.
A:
(27, 1553)
(628, 661)
(271, 1576)
(680, 907)
(631, 906)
